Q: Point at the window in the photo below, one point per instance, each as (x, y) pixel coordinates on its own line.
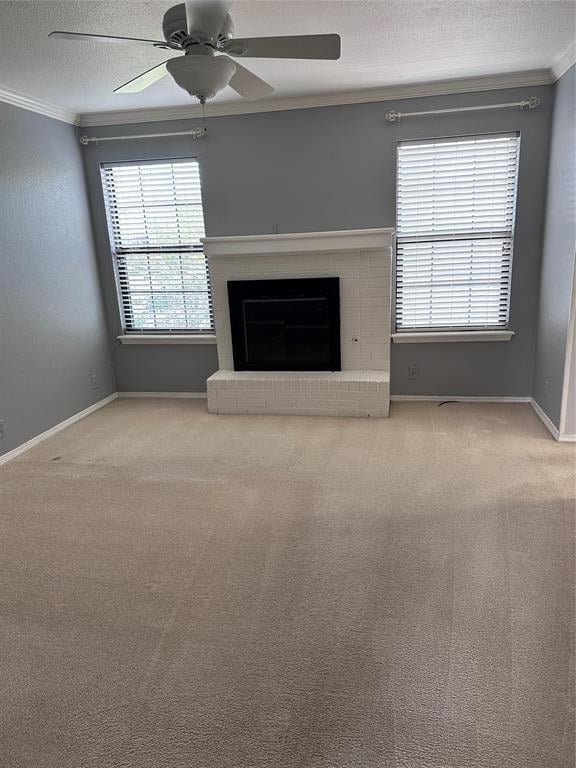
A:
(456, 204)
(155, 220)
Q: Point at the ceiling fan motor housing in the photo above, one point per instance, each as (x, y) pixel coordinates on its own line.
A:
(201, 76)
(175, 27)
(174, 24)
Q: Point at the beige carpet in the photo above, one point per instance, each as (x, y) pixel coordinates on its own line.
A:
(181, 590)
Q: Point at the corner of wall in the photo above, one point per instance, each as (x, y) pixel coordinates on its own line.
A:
(554, 310)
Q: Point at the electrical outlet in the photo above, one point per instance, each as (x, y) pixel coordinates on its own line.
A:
(412, 371)
(94, 381)
(2, 429)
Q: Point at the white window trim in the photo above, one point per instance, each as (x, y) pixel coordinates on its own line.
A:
(162, 338)
(425, 337)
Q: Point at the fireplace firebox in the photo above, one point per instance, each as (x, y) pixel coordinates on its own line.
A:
(285, 325)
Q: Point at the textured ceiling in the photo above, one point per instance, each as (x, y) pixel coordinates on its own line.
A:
(386, 42)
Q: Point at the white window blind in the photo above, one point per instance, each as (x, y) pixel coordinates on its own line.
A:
(155, 220)
(456, 203)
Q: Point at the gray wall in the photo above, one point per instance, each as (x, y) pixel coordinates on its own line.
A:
(558, 253)
(327, 169)
(52, 323)
(570, 382)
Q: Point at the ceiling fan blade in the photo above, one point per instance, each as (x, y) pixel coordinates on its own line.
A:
(249, 85)
(206, 16)
(290, 47)
(144, 80)
(110, 39)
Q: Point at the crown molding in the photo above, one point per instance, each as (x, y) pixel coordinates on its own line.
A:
(216, 109)
(389, 93)
(36, 105)
(564, 61)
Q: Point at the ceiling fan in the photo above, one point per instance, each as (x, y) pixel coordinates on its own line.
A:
(203, 31)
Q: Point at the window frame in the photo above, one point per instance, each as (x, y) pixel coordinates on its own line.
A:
(486, 332)
(141, 335)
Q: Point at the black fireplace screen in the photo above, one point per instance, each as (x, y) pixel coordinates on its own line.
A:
(285, 325)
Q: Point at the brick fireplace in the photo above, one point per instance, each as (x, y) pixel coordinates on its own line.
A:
(359, 262)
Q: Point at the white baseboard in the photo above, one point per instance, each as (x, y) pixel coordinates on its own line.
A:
(195, 395)
(466, 399)
(545, 419)
(562, 438)
(457, 398)
(6, 457)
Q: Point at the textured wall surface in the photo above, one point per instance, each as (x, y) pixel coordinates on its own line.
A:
(558, 253)
(52, 322)
(335, 168)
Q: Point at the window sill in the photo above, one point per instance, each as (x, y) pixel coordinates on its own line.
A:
(161, 339)
(425, 337)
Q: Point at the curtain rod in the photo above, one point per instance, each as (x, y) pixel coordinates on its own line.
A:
(394, 117)
(196, 133)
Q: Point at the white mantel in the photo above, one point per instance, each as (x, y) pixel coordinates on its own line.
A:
(362, 261)
(299, 242)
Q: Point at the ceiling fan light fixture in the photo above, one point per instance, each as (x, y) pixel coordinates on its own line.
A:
(201, 76)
